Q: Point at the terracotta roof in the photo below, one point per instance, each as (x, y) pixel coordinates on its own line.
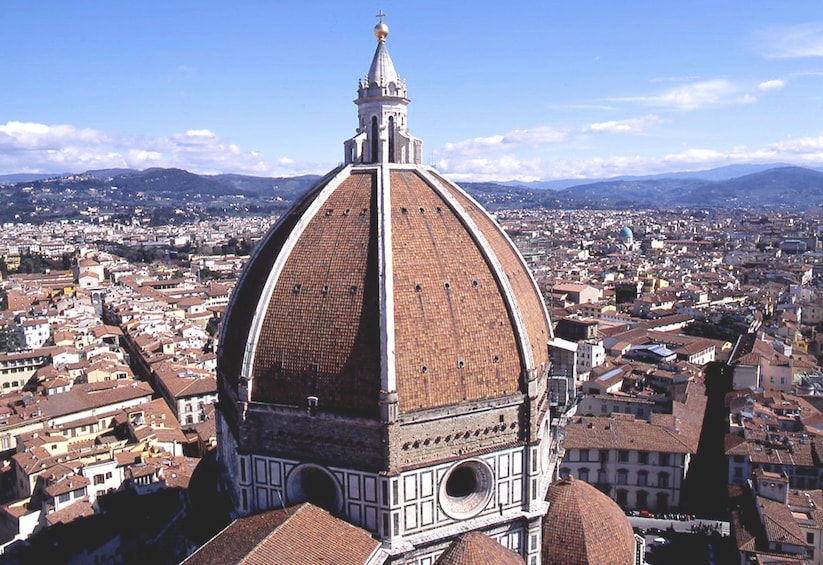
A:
(78, 509)
(475, 548)
(584, 526)
(780, 525)
(303, 534)
(623, 433)
(468, 318)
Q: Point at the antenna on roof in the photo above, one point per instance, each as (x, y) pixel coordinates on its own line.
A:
(283, 504)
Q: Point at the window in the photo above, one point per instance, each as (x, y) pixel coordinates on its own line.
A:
(622, 496)
(64, 497)
(99, 479)
(663, 480)
(583, 475)
(664, 459)
(810, 537)
(623, 455)
(643, 457)
(622, 477)
(642, 478)
(584, 455)
(604, 455)
(642, 499)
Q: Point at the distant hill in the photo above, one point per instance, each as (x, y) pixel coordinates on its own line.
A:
(24, 177)
(163, 195)
(784, 186)
(719, 173)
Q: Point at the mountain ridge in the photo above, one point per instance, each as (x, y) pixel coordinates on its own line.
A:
(175, 193)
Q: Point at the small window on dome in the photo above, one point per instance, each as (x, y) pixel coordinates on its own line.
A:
(364, 211)
(460, 363)
(314, 367)
(422, 210)
(424, 369)
(297, 288)
(447, 285)
(404, 211)
(439, 210)
(325, 289)
(353, 289)
(418, 288)
(475, 283)
(346, 211)
(496, 359)
(330, 211)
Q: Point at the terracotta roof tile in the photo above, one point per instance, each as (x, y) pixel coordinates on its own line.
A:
(475, 548)
(584, 526)
(302, 534)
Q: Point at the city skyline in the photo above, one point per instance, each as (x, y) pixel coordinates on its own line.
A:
(541, 92)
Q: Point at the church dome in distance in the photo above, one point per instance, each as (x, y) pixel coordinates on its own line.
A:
(626, 235)
(585, 527)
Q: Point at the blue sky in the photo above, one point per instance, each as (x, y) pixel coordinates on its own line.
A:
(528, 90)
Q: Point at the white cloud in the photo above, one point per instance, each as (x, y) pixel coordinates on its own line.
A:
(775, 84)
(632, 125)
(693, 95)
(509, 141)
(535, 136)
(187, 70)
(496, 167)
(35, 147)
(784, 42)
(34, 136)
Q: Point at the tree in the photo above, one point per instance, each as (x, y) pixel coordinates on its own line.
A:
(10, 339)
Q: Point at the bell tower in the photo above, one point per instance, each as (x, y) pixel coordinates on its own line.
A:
(382, 133)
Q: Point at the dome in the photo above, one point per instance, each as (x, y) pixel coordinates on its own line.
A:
(626, 234)
(475, 548)
(384, 279)
(385, 352)
(584, 526)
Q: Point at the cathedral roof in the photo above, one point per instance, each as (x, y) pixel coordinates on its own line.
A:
(385, 278)
(585, 527)
(304, 533)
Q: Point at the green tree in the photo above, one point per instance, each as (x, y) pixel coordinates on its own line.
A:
(10, 339)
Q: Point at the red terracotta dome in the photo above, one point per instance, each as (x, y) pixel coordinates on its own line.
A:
(384, 278)
(585, 527)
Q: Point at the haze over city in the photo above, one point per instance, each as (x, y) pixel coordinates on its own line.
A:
(537, 92)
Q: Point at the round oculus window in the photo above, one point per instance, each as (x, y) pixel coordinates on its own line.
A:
(466, 489)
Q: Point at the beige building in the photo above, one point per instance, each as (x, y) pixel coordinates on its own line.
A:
(641, 465)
